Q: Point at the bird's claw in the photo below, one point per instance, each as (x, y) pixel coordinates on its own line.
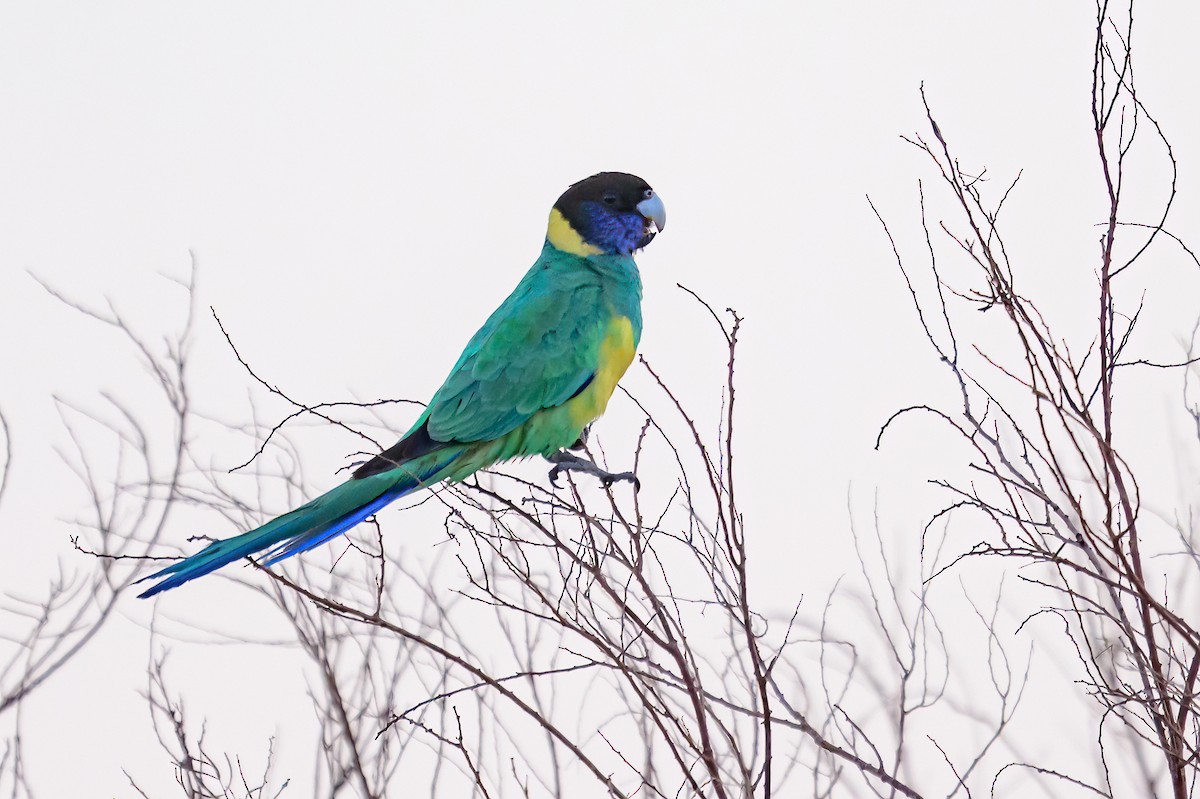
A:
(629, 477)
(567, 462)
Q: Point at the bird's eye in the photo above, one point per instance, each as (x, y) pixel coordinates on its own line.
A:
(610, 199)
(648, 193)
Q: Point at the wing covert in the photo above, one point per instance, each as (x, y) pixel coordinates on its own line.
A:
(535, 352)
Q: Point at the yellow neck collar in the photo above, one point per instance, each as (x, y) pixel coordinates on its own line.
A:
(564, 237)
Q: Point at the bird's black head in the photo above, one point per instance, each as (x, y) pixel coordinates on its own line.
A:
(611, 213)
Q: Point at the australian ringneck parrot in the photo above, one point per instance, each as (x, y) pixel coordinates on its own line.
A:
(539, 371)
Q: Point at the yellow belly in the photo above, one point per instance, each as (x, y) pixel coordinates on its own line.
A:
(616, 353)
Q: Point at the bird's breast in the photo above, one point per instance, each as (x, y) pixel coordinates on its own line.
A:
(616, 351)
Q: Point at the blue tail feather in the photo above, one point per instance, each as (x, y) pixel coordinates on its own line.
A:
(308, 526)
(304, 543)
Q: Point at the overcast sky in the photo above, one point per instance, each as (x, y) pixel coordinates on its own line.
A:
(362, 183)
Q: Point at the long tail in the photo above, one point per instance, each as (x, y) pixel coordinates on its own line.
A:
(309, 525)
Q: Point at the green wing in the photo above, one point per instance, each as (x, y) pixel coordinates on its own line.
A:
(537, 350)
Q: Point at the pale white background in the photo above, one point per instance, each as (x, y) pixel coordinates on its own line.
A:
(362, 183)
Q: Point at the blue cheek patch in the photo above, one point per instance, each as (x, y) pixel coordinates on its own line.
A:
(612, 231)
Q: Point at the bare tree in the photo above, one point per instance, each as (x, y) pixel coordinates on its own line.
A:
(1040, 416)
(573, 637)
(132, 476)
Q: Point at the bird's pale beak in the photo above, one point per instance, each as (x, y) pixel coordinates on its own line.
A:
(653, 210)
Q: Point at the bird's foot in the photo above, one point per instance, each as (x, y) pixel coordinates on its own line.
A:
(566, 462)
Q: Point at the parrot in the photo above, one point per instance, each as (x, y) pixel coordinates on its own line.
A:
(530, 382)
